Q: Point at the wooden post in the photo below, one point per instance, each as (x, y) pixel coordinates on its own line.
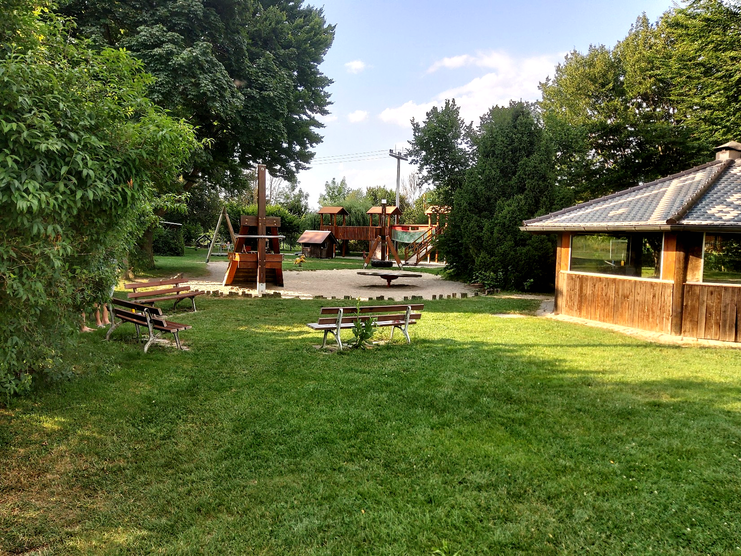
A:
(216, 232)
(383, 229)
(261, 229)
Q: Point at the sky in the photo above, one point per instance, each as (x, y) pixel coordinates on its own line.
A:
(393, 61)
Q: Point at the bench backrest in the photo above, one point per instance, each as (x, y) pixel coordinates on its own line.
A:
(372, 309)
(136, 307)
(150, 293)
(154, 283)
(382, 313)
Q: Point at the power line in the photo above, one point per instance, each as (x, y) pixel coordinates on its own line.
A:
(353, 157)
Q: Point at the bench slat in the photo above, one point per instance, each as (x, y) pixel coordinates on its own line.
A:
(177, 289)
(154, 283)
(381, 319)
(348, 325)
(169, 297)
(372, 309)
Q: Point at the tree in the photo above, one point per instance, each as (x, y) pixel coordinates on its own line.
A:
(294, 199)
(613, 116)
(512, 180)
(441, 148)
(245, 73)
(700, 67)
(81, 153)
(334, 193)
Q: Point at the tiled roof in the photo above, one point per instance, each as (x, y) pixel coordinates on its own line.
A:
(706, 196)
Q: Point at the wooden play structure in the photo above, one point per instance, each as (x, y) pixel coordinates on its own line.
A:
(382, 245)
(419, 240)
(256, 260)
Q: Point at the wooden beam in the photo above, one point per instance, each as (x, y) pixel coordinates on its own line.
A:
(261, 201)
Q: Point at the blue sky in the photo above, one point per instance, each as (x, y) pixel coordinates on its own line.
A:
(392, 61)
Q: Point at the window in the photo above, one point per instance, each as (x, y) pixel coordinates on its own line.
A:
(636, 255)
(722, 258)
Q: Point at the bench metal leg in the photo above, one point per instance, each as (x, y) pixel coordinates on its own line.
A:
(113, 326)
(149, 342)
(177, 339)
(403, 331)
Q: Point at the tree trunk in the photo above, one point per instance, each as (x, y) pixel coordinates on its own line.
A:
(143, 259)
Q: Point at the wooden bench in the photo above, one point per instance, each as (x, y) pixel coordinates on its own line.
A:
(175, 289)
(395, 316)
(150, 318)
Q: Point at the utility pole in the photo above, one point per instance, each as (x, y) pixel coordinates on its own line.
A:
(399, 156)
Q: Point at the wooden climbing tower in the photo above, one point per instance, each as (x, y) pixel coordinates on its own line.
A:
(256, 260)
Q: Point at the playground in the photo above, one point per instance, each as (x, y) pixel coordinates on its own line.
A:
(339, 283)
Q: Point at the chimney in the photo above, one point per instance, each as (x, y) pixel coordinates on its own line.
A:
(729, 151)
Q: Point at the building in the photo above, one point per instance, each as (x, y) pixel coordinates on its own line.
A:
(664, 256)
(317, 244)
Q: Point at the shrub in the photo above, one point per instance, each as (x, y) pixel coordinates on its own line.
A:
(169, 241)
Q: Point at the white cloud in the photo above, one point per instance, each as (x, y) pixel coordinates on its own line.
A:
(357, 116)
(329, 118)
(512, 79)
(401, 115)
(356, 66)
(451, 63)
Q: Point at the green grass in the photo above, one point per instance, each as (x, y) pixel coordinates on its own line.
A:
(486, 435)
(192, 264)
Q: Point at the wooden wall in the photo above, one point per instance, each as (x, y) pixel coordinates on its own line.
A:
(691, 308)
(712, 312)
(353, 233)
(642, 304)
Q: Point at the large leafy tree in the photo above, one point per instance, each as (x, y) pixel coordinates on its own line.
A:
(512, 179)
(244, 72)
(654, 104)
(441, 147)
(81, 152)
(700, 68)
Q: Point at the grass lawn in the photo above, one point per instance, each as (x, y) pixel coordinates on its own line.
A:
(486, 435)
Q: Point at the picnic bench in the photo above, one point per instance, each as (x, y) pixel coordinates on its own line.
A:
(333, 320)
(143, 316)
(175, 289)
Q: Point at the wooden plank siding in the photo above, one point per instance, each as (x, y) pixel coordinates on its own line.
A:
(353, 233)
(642, 304)
(711, 312)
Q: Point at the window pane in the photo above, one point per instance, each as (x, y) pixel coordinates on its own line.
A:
(636, 255)
(722, 258)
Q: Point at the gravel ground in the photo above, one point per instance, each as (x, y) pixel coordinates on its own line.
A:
(307, 284)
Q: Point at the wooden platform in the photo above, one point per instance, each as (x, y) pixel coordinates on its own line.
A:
(243, 269)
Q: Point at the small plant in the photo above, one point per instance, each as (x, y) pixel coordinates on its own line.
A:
(444, 551)
(363, 330)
